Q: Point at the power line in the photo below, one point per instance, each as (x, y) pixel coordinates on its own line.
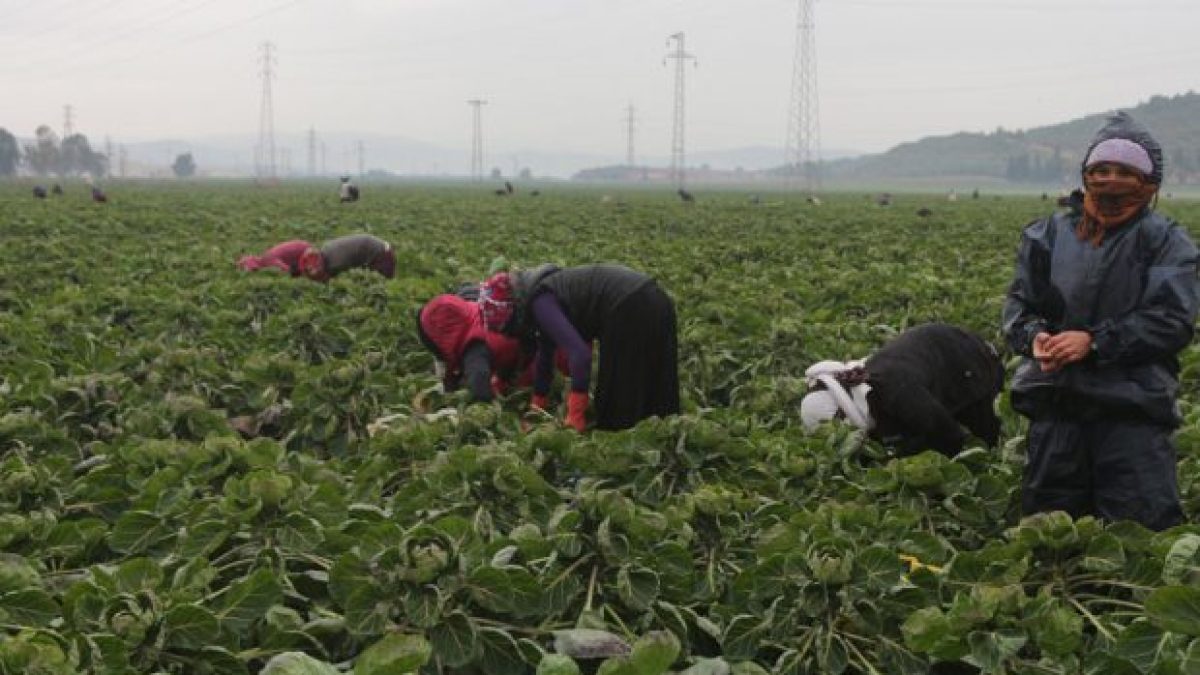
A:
(678, 161)
(477, 139)
(804, 129)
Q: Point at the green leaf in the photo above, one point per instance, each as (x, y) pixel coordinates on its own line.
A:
(190, 627)
(743, 636)
(588, 643)
(1141, 645)
(297, 663)
(136, 531)
(1057, 629)
(246, 601)
(1175, 608)
(395, 654)
(990, 650)
(557, 664)
(138, 574)
(507, 590)
(367, 611)
(1104, 554)
(717, 666)
(1180, 562)
(29, 607)
(637, 587)
(880, 567)
(925, 628)
(455, 640)
(500, 654)
(652, 654)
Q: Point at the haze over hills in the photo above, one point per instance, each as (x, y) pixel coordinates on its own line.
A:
(233, 154)
(1044, 155)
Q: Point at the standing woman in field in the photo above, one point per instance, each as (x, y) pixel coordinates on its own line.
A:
(1103, 301)
(344, 253)
(568, 308)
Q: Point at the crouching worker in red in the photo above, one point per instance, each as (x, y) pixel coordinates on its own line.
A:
(917, 392)
(349, 252)
(285, 256)
(626, 311)
(452, 328)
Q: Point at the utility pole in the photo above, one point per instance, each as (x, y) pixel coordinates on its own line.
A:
(477, 139)
(266, 116)
(362, 160)
(804, 130)
(68, 121)
(312, 152)
(629, 122)
(681, 57)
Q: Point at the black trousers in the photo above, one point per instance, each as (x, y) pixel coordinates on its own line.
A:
(1111, 468)
(638, 375)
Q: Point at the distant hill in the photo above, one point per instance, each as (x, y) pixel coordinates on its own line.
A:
(1045, 155)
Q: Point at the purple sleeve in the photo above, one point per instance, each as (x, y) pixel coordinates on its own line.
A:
(557, 330)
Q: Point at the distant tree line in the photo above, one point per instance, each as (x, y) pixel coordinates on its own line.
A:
(1032, 167)
(49, 155)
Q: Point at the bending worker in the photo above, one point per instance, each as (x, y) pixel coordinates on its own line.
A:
(917, 392)
(285, 256)
(349, 252)
(567, 308)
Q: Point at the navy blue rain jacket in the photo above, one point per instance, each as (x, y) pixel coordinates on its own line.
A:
(1136, 294)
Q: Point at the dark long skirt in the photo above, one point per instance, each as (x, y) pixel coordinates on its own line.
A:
(638, 375)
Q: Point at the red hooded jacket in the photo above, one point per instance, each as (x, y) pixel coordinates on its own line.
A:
(452, 324)
(285, 256)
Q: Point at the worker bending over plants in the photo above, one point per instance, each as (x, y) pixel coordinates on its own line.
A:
(625, 311)
(349, 252)
(917, 392)
(1103, 300)
(285, 256)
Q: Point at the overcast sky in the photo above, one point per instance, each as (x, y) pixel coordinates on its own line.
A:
(558, 74)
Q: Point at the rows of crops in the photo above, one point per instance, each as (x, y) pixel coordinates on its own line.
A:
(206, 471)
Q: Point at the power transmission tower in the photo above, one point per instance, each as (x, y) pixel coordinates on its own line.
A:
(629, 122)
(324, 157)
(285, 161)
(362, 160)
(477, 139)
(266, 115)
(804, 130)
(681, 57)
(123, 160)
(108, 156)
(312, 152)
(68, 121)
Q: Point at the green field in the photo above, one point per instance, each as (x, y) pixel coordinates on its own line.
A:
(377, 525)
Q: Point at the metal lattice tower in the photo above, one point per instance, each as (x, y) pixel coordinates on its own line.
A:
(477, 139)
(804, 129)
(68, 121)
(312, 152)
(122, 160)
(681, 57)
(629, 127)
(266, 115)
(362, 159)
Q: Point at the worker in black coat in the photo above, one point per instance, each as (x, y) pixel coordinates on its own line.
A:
(917, 392)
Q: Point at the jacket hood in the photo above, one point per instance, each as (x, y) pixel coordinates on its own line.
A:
(1122, 125)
